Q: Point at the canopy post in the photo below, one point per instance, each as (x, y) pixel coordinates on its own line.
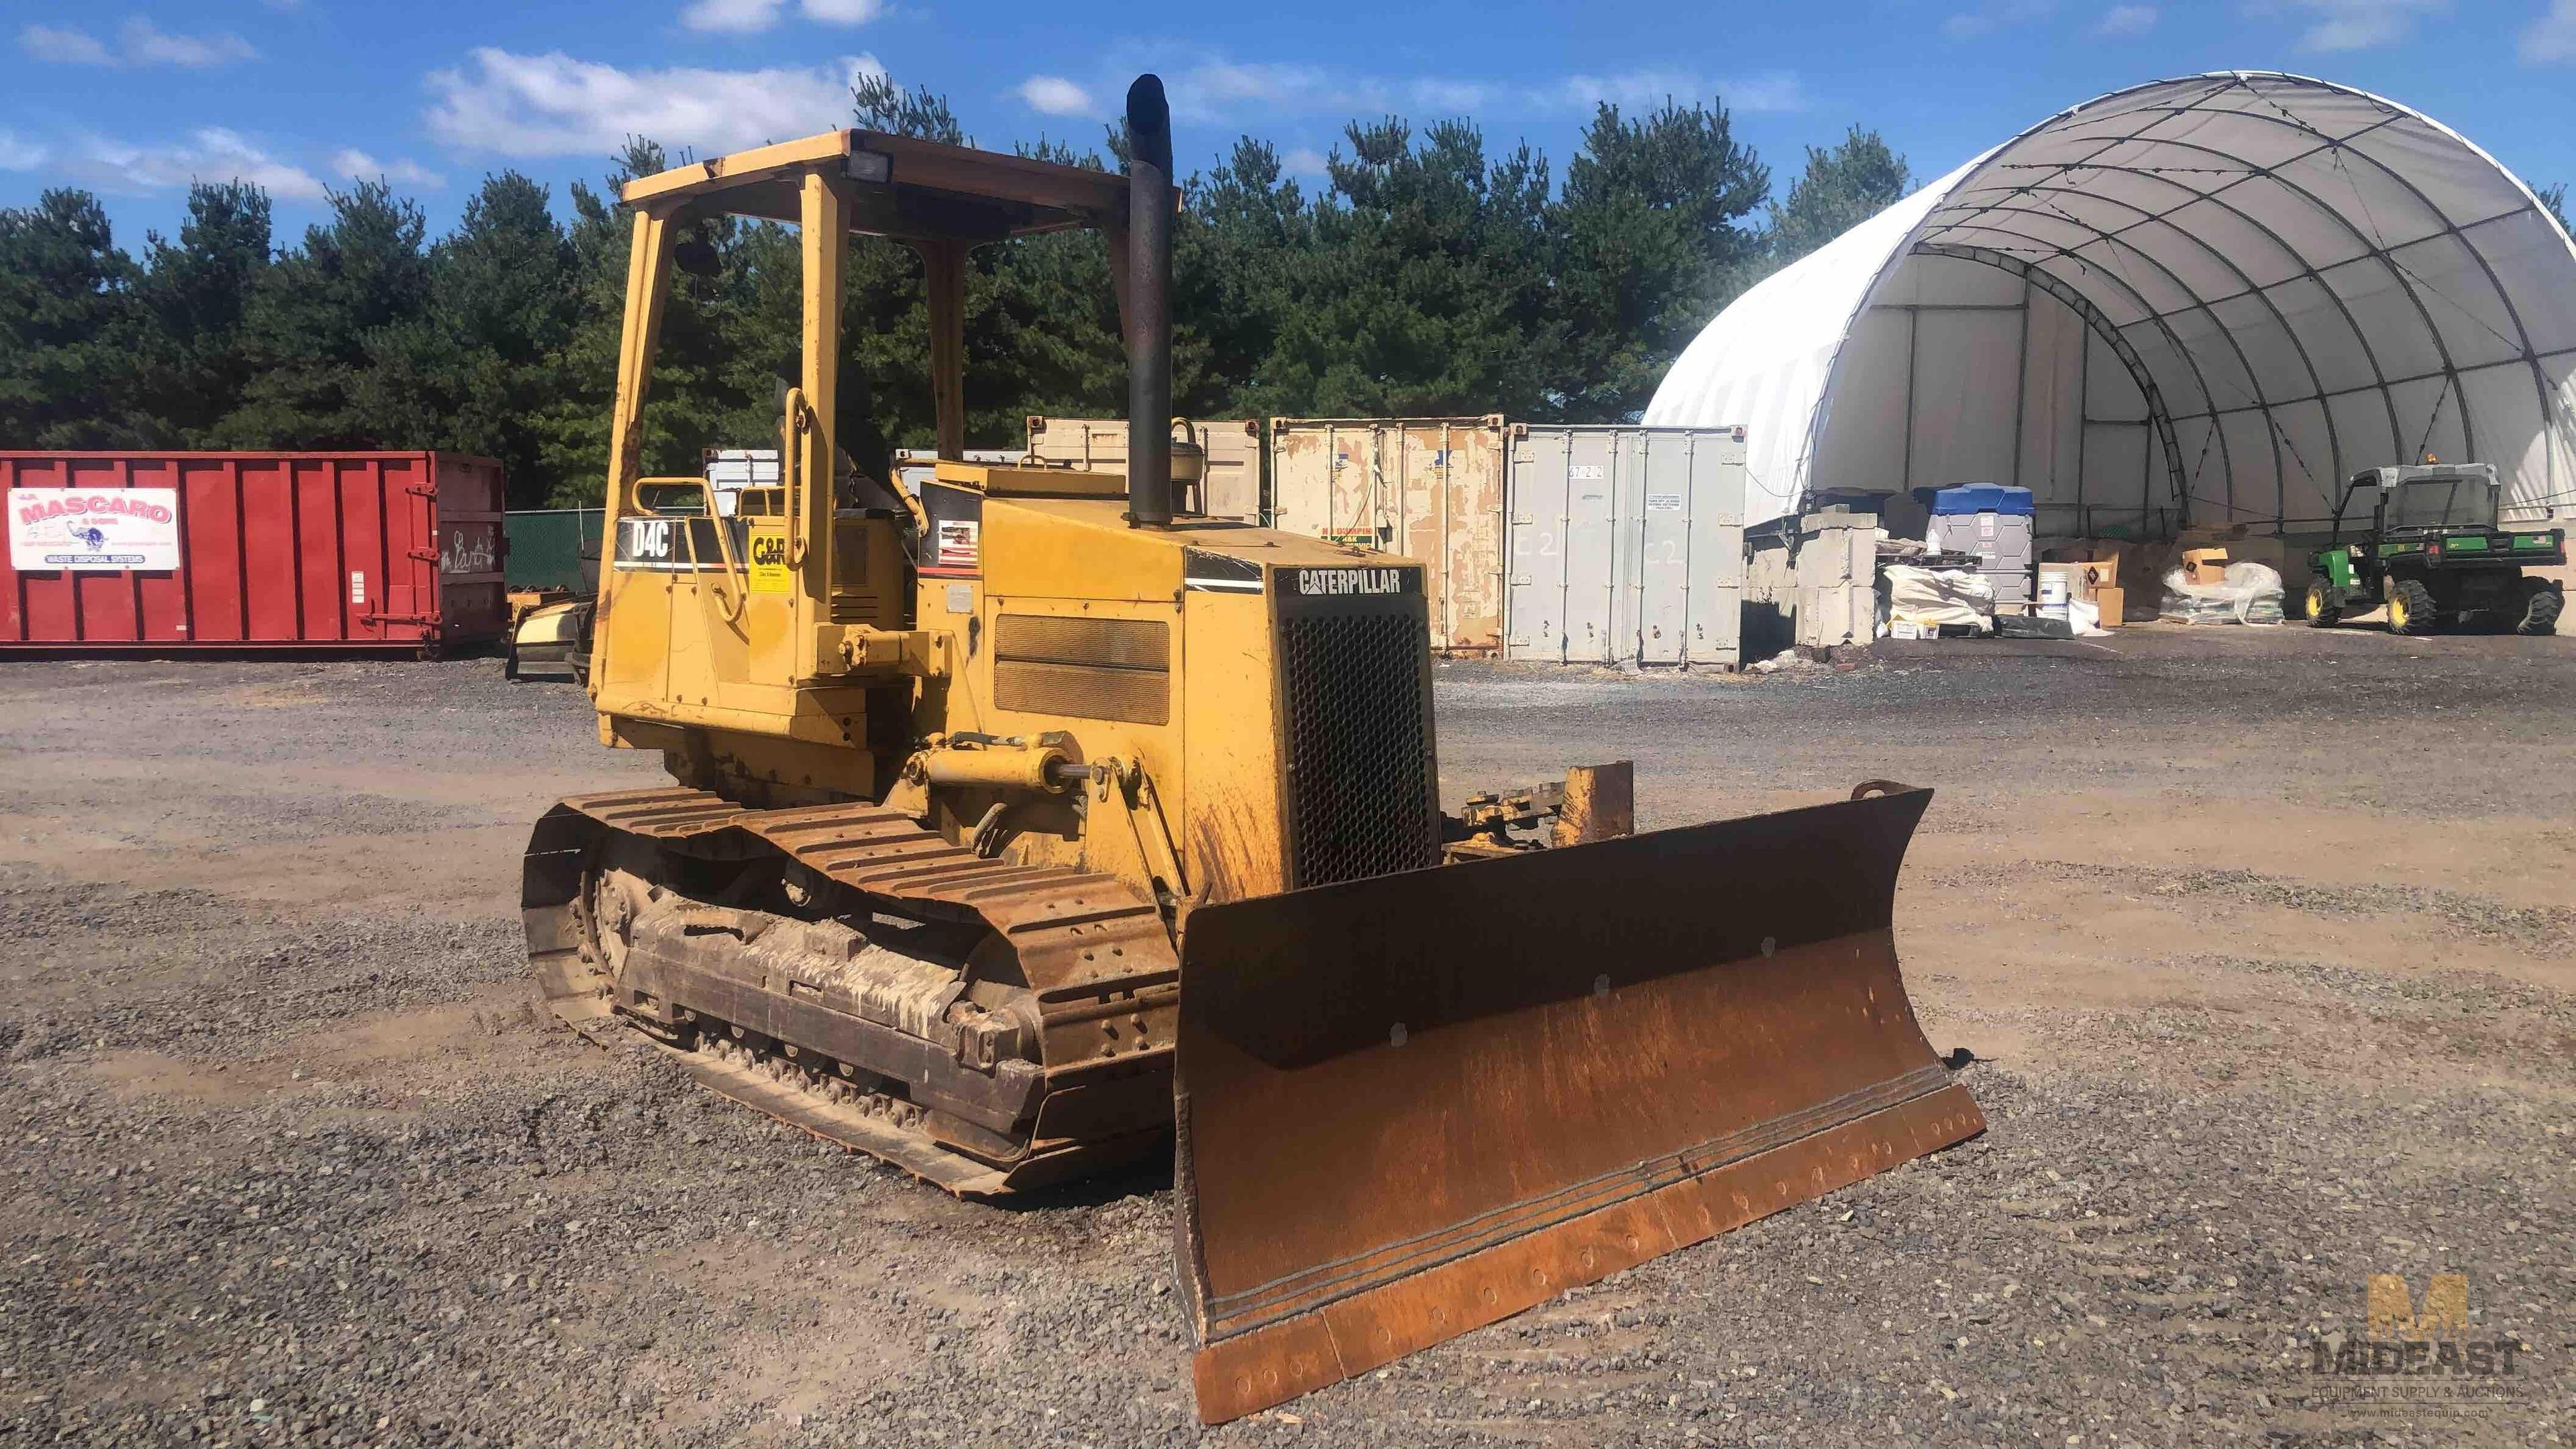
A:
(943, 277)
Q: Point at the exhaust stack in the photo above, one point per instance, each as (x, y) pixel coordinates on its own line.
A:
(1149, 305)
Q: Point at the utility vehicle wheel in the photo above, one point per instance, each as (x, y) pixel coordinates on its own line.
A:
(2540, 608)
(2321, 614)
(510, 665)
(2411, 609)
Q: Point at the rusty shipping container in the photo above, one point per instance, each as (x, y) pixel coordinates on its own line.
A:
(160, 551)
(1430, 489)
(1233, 446)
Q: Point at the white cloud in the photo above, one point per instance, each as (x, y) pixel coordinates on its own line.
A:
(139, 42)
(64, 46)
(1053, 95)
(146, 45)
(2341, 25)
(1215, 91)
(1639, 90)
(1303, 161)
(1220, 91)
(2551, 39)
(1778, 91)
(17, 153)
(359, 166)
(1438, 93)
(749, 17)
(738, 17)
(1993, 16)
(209, 154)
(554, 105)
(2122, 20)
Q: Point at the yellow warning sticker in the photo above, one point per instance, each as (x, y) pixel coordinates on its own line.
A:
(769, 573)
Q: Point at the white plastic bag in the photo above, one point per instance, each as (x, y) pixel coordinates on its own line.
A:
(1935, 597)
(2248, 593)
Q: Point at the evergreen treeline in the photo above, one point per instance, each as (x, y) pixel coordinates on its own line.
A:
(1424, 277)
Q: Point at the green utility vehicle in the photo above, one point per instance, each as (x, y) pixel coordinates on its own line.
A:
(2433, 554)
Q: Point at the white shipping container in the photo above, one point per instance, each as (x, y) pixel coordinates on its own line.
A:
(1626, 544)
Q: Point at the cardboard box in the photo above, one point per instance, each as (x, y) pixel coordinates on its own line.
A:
(2204, 565)
(2111, 602)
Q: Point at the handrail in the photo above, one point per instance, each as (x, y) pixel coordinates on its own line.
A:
(731, 608)
(796, 419)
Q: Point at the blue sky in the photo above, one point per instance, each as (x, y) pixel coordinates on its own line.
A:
(133, 99)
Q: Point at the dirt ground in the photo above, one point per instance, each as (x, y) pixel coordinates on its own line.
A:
(2265, 942)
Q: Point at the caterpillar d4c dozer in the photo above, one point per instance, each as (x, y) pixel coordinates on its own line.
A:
(1017, 825)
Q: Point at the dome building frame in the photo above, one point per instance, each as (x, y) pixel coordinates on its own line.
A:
(2205, 300)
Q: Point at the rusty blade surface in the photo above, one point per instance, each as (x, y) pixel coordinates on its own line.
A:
(1412, 1105)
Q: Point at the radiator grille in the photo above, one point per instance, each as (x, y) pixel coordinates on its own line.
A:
(1087, 668)
(1359, 772)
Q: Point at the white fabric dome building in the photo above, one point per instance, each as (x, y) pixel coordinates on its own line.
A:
(2205, 301)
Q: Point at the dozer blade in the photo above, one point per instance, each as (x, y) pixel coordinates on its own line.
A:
(1413, 1105)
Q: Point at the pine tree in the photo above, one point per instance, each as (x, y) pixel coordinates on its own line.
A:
(1841, 188)
(312, 318)
(696, 379)
(1654, 245)
(1423, 291)
(70, 327)
(483, 354)
(1233, 255)
(196, 295)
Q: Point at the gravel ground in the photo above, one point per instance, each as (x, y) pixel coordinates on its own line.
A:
(2263, 940)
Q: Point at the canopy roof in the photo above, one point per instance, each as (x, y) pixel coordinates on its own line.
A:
(919, 189)
(2300, 280)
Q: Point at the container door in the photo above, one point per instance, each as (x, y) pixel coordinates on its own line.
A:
(412, 529)
(1233, 486)
(1302, 468)
(1660, 463)
(1593, 555)
(1397, 476)
(211, 540)
(465, 502)
(1461, 467)
(1716, 482)
(1538, 519)
(1362, 510)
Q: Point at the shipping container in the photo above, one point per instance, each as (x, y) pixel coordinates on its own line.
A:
(1430, 489)
(553, 548)
(157, 551)
(731, 470)
(916, 466)
(1233, 446)
(1627, 545)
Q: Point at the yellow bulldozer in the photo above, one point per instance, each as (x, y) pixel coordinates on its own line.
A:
(1030, 825)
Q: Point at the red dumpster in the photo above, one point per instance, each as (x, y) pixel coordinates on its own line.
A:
(319, 551)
